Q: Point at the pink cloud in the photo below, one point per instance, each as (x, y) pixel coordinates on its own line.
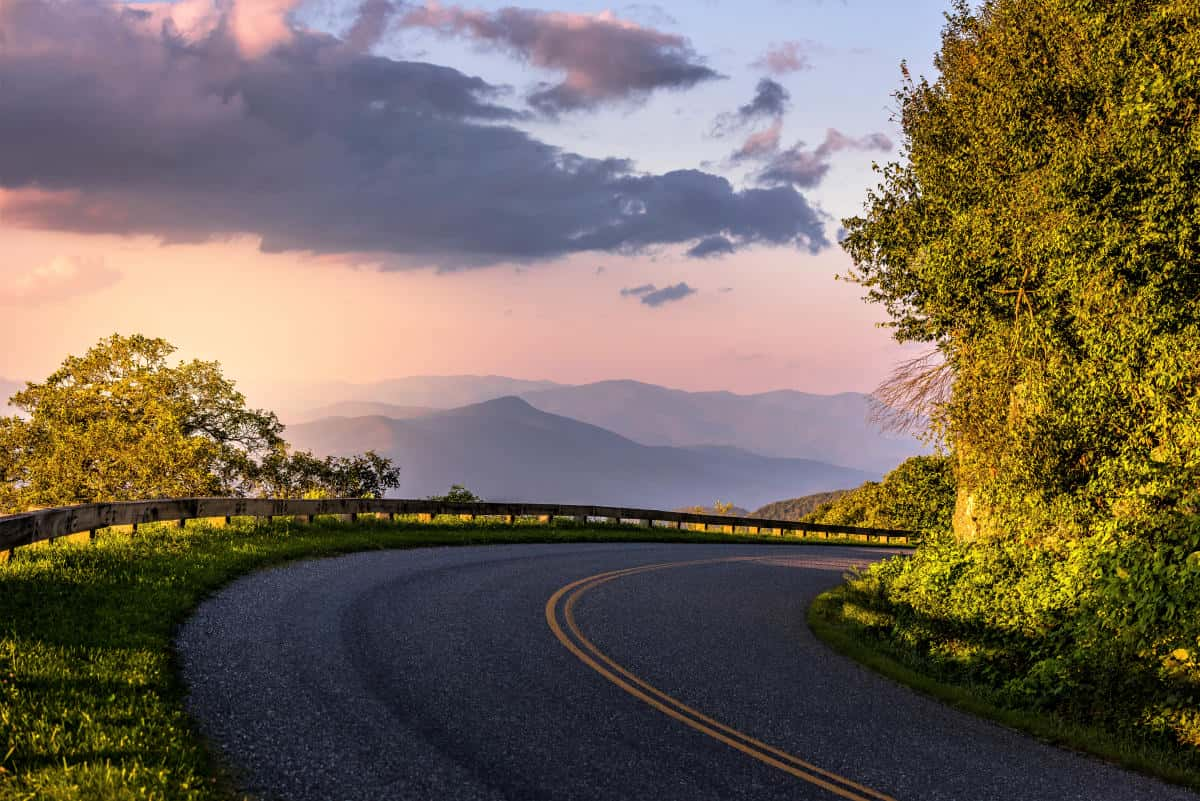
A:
(799, 166)
(785, 58)
(62, 278)
(605, 58)
(760, 144)
(257, 26)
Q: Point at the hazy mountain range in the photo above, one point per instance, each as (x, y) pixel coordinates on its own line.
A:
(784, 423)
(505, 449)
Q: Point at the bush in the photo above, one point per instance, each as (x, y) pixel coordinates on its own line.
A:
(918, 496)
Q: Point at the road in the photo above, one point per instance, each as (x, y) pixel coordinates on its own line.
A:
(565, 672)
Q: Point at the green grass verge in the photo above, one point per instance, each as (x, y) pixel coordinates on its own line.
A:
(91, 706)
(837, 620)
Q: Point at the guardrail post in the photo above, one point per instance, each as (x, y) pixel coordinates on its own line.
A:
(181, 523)
(581, 520)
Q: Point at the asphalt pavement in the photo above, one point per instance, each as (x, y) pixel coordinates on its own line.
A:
(566, 672)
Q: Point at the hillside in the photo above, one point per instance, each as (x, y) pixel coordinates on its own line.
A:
(798, 508)
(294, 401)
(361, 409)
(785, 423)
(506, 449)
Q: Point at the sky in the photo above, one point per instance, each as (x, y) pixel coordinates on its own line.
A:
(311, 190)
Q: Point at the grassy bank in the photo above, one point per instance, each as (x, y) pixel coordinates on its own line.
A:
(90, 704)
(859, 626)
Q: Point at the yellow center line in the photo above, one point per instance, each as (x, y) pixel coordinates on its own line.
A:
(674, 708)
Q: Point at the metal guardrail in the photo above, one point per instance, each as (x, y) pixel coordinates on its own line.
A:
(49, 524)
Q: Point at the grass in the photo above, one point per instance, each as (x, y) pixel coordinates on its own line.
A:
(91, 706)
(852, 630)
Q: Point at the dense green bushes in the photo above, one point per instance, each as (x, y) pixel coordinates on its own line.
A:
(918, 495)
(1100, 630)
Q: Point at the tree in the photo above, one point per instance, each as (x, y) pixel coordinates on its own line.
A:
(918, 495)
(302, 475)
(121, 423)
(1043, 235)
(457, 494)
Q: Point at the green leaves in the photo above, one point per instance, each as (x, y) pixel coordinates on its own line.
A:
(1044, 234)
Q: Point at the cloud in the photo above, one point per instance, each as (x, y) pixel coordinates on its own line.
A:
(760, 144)
(60, 279)
(710, 247)
(770, 101)
(654, 297)
(605, 58)
(370, 24)
(182, 126)
(667, 294)
(804, 168)
(785, 58)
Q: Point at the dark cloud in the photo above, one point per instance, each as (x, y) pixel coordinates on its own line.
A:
(370, 24)
(605, 58)
(798, 166)
(710, 247)
(770, 102)
(644, 289)
(785, 57)
(189, 126)
(668, 294)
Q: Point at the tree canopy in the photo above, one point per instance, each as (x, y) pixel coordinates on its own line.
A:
(121, 423)
(1043, 234)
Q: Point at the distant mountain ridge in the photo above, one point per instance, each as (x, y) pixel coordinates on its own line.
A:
(784, 423)
(505, 449)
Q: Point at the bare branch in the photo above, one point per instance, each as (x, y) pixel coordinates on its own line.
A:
(909, 399)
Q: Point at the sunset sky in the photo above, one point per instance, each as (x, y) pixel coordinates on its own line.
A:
(329, 190)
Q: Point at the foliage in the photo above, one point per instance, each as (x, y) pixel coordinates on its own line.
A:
(1043, 234)
(457, 494)
(119, 423)
(302, 475)
(917, 496)
(1102, 631)
(796, 508)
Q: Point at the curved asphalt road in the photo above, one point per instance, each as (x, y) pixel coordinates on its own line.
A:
(436, 674)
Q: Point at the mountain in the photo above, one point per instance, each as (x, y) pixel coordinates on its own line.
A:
(505, 449)
(784, 423)
(364, 409)
(797, 508)
(430, 391)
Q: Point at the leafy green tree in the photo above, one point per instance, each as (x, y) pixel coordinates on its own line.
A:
(121, 423)
(1043, 234)
(457, 494)
(302, 475)
(918, 496)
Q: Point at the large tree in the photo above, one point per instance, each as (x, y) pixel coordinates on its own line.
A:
(1043, 234)
(122, 423)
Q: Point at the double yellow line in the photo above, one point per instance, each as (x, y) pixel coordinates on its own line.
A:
(597, 660)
